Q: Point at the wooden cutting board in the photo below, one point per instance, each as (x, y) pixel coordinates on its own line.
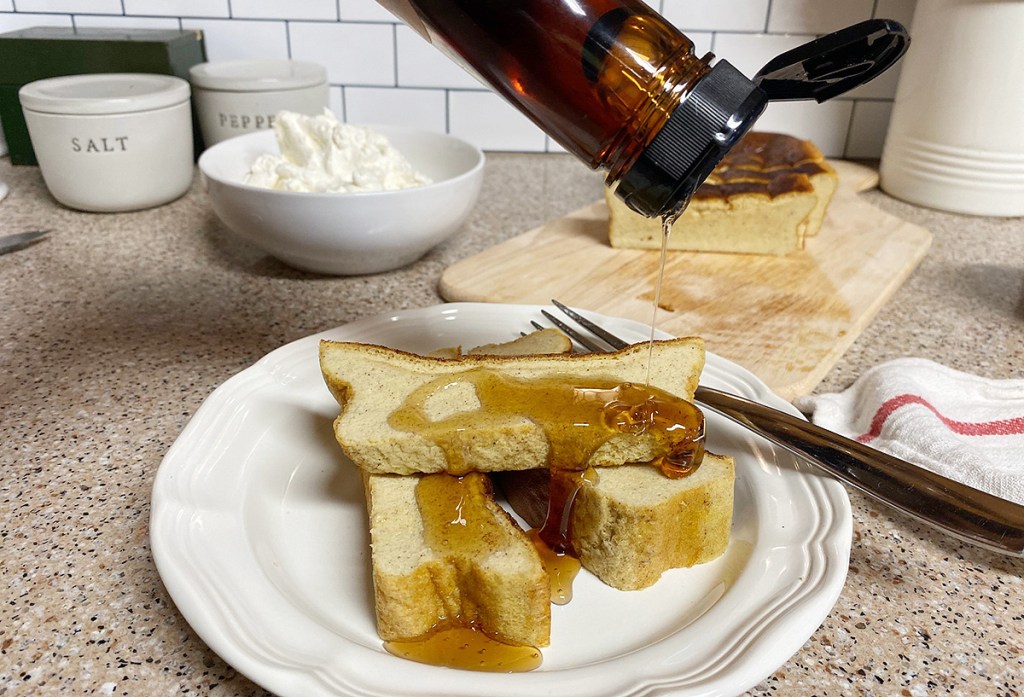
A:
(787, 319)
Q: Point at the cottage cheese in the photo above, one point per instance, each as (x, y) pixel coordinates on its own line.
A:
(320, 154)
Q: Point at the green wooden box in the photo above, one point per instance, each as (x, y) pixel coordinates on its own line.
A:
(41, 52)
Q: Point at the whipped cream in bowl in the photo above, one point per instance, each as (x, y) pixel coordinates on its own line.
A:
(321, 154)
(342, 199)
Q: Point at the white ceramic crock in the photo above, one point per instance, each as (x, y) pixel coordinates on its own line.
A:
(111, 142)
(955, 140)
(237, 97)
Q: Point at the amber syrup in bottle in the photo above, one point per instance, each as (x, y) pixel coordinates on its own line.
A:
(599, 76)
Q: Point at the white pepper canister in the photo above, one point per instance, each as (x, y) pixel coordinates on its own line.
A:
(110, 142)
(956, 135)
(242, 96)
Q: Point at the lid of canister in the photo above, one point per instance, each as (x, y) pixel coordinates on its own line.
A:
(257, 75)
(104, 93)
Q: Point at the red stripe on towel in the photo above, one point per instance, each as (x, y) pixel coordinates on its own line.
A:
(1002, 427)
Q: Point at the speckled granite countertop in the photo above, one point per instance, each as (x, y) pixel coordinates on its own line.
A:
(116, 328)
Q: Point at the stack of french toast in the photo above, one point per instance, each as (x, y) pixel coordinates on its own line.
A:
(601, 455)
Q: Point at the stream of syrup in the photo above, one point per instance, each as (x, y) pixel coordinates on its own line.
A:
(667, 221)
(553, 539)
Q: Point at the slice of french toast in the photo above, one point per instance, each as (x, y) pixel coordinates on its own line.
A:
(402, 413)
(439, 562)
(631, 524)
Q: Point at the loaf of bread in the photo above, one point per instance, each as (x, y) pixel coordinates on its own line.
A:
(766, 197)
(374, 384)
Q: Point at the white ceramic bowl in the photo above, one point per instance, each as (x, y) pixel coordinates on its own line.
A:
(347, 233)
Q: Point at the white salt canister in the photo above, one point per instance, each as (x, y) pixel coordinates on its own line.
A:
(110, 142)
(242, 96)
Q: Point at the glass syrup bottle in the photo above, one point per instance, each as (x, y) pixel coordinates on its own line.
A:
(621, 88)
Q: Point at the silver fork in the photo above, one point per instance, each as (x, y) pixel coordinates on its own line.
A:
(962, 511)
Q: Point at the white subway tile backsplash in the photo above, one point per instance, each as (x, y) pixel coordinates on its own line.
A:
(24, 20)
(703, 41)
(354, 54)
(238, 39)
(900, 10)
(868, 129)
(121, 22)
(420, 64)
(489, 122)
(749, 52)
(109, 7)
(336, 102)
(293, 9)
(816, 16)
(717, 15)
(383, 72)
(177, 8)
(824, 124)
(364, 11)
(390, 106)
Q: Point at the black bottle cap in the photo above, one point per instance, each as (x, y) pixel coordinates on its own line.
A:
(724, 104)
(720, 108)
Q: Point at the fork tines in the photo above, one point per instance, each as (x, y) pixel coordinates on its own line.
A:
(589, 342)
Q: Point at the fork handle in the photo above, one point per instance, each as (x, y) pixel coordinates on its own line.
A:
(960, 510)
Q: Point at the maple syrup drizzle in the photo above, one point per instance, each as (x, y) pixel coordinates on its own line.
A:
(456, 518)
(667, 222)
(466, 647)
(561, 567)
(553, 539)
(577, 415)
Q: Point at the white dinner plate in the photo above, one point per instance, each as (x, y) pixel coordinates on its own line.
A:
(259, 532)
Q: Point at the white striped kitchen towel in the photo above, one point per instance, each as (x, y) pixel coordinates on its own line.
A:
(962, 426)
